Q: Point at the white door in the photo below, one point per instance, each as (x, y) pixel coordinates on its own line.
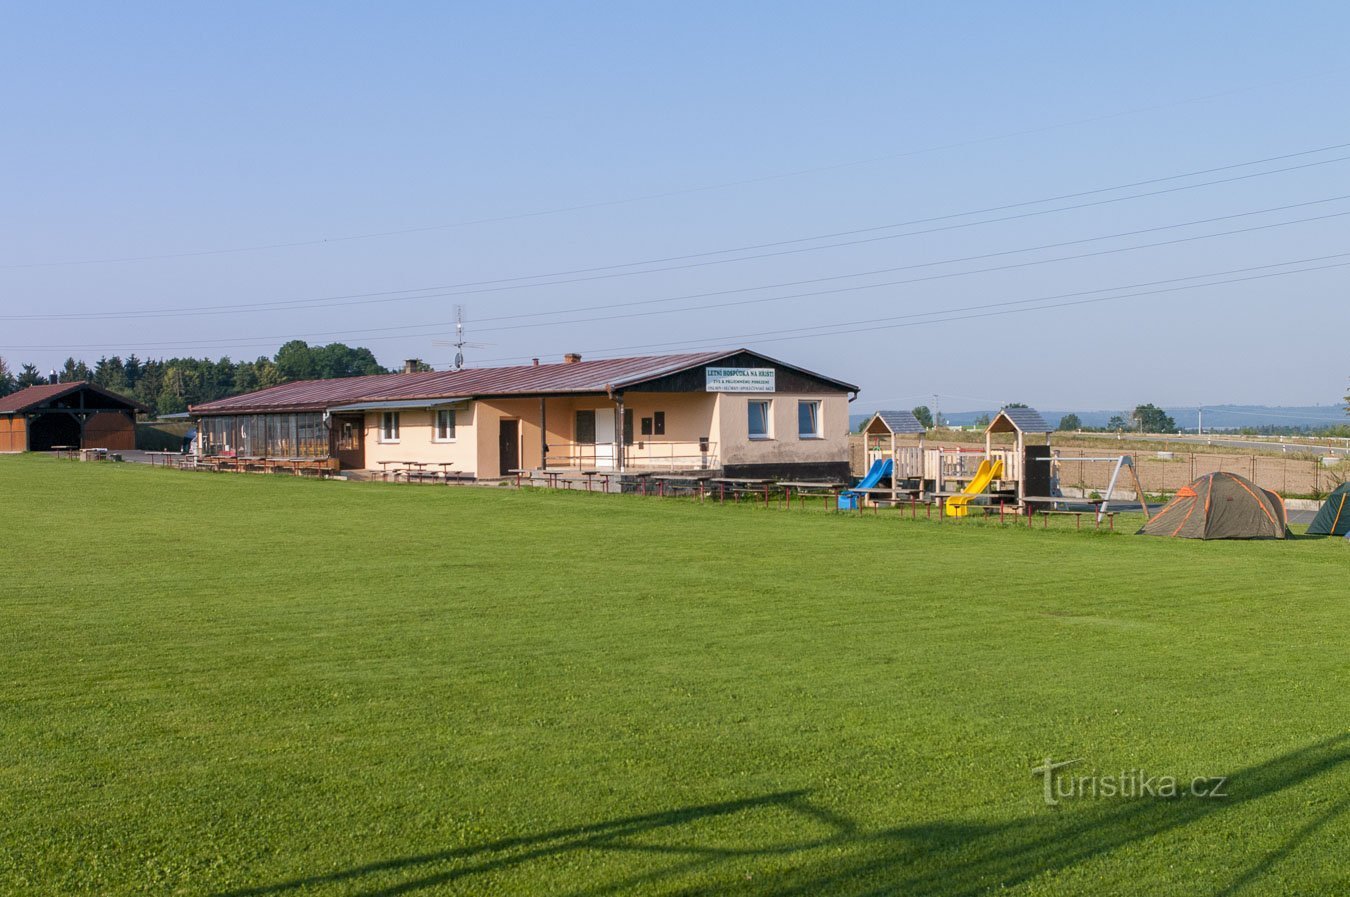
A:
(604, 437)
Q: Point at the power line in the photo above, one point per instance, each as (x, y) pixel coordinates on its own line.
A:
(663, 194)
(520, 282)
(878, 324)
(810, 330)
(365, 333)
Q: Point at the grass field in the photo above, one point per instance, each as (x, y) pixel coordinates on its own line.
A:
(240, 685)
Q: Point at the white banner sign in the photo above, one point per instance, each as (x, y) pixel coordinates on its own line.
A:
(740, 379)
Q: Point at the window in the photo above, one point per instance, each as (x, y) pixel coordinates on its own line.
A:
(659, 423)
(759, 419)
(445, 425)
(585, 428)
(349, 436)
(389, 426)
(808, 420)
(646, 426)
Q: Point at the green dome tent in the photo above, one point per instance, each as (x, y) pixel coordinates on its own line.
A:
(1333, 518)
(1220, 506)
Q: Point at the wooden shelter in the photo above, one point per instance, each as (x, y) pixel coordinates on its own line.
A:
(75, 415)
(1029, 464)
(879, 440)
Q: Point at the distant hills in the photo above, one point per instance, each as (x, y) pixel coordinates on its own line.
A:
(1217, 417)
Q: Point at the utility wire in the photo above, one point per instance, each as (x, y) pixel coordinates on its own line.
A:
(520, 282)
(820, 331)
(366, 333)
(811, 330)
(667, 193)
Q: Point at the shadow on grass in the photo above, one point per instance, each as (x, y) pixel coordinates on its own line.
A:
(936, 859)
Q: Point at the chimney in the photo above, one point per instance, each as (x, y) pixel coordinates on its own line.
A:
(536, 361)
(571, 358)
(411, 365)
(52, 378)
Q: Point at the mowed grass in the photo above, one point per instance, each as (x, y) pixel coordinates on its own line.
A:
(242, 685)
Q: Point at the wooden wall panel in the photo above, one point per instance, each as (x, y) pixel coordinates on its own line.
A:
(111, 431)
(13, 435)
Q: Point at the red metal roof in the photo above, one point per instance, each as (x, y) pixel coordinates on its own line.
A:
(542, 379)
(25, 399)
(307, 395)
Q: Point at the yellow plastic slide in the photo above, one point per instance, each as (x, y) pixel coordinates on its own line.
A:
(956, 505)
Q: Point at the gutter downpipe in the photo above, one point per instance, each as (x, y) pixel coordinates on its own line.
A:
(543, 434)
(617, 399)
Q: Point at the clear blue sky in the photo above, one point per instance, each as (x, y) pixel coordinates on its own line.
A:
(136, 130)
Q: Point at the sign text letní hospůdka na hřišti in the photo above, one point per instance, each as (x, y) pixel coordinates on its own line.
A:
(740, 379)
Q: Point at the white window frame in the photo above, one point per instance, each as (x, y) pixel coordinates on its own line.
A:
(387, 417)
(768, 419)
(436, 425)
(820, 426)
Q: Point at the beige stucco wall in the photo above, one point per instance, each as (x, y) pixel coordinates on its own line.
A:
(416, 443)
(489, 415)
(783, 445)
(722, 418)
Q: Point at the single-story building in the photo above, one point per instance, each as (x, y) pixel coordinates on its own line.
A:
(77, 414)
(738, 412)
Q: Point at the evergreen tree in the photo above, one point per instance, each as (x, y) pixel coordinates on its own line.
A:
(110, 373)
(7, 379)
(28, 376)
(74, 371)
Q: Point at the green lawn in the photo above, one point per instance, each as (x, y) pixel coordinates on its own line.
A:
(243, 685)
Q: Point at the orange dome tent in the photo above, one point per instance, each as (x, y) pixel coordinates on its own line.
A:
(1221, 506)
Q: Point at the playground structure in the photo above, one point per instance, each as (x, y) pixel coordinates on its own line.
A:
(1022, 476)
(959, 505)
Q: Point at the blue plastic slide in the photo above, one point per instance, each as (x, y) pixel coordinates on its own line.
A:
(880, 470)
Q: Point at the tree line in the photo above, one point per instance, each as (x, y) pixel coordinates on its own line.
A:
(170, 385)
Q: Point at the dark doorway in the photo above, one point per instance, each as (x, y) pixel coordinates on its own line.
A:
(47, 430)
(348, 441)
(509, 442)
(1036, 475)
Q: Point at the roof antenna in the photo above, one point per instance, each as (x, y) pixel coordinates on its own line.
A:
(460, 342)
(459, 337)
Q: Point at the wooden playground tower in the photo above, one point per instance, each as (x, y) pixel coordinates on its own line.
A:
(1023, 472)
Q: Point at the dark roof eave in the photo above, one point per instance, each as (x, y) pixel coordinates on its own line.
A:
(717, 356)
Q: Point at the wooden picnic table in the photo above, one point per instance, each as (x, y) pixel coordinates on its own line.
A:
(162, 456)
(550, 477)
(741, 486)
(66, 451)
(446, 472)
(899, 497)
(696, 481)
(830, 490)
(384, 469)
(416, 469)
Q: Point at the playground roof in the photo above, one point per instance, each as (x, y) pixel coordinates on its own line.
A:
(899, 421)
(1025, 420)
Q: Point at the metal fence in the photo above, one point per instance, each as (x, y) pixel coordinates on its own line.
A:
(1169, 471)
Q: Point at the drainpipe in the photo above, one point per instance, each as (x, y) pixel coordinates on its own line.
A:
(617, 398)
(543, 434)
